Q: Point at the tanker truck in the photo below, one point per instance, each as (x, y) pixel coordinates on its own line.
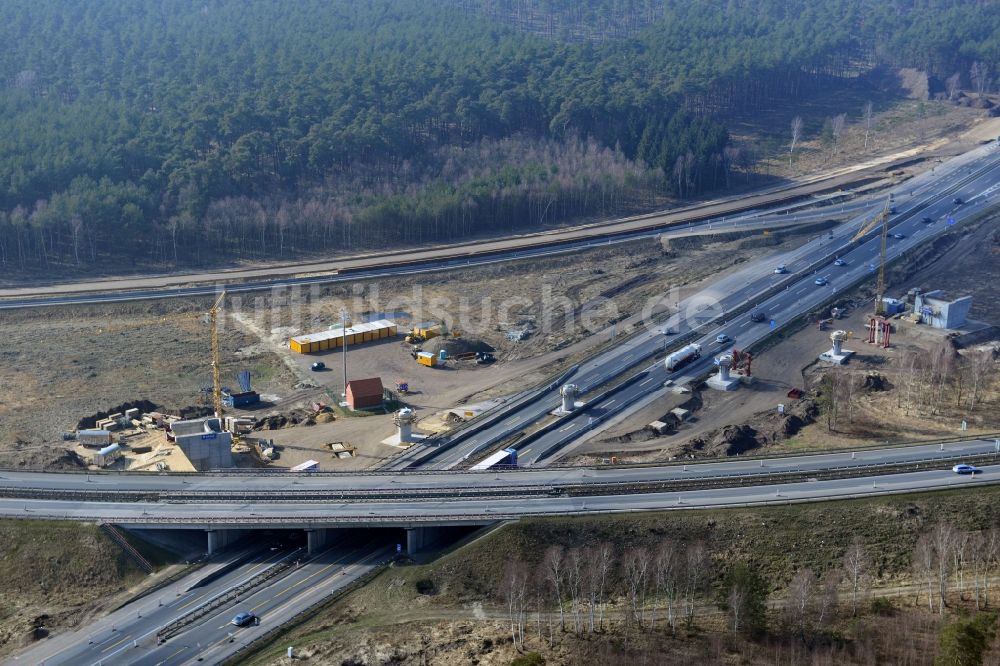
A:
(682, 357)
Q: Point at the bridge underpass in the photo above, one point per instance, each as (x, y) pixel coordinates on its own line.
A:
(410, 539)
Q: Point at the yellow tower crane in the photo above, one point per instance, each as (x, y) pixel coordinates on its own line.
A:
(883, 219)
(213, 314)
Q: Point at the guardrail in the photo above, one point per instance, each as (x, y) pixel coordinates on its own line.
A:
(307, 612)
(785, 284)
(230, 595)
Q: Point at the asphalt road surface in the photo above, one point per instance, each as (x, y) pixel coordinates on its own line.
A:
(478, 510)
(972, 177)
(327, 486)
(212, 638)
(523, 245)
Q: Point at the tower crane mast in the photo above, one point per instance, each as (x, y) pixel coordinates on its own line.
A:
(882, 218)
(213, 314)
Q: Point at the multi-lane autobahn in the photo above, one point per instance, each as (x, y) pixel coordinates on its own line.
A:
(721, 309)
(405, 499)
(134, 634)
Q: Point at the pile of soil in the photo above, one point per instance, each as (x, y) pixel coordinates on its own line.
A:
(765, 428)
(874, 383)
(144, 406)
(276, 421)
(456, 346)
(195, 412)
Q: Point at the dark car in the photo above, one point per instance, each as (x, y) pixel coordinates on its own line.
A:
(245, 620)
(318, 365)
(758, 316)
(957, 200)
(927, 220)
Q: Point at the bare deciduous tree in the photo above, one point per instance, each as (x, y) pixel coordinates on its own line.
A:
(800, 604)
(665, 565)
(516, 594)
(857, 568)
(837, 128)
(923, 565)
(636, 574)
(953, 85)
(943, 538)
(695, 575)
(868, 122)
(574, 580)
(553, 565)
(979, 74)
(981, 365)
(737, 600)
(975, 547)
(796, 135)
(828, 597)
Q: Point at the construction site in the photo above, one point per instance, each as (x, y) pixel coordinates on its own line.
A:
(318, 377)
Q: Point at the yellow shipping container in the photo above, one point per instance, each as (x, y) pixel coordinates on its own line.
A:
(334, 338)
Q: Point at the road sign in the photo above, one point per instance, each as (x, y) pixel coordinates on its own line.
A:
(774, 324)
(951, 220)
(399, 548)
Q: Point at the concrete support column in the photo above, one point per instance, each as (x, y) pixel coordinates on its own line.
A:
(420, 538)
(219, 539)
(316, 540)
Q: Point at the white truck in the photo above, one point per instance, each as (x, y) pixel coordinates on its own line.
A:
(682, 357)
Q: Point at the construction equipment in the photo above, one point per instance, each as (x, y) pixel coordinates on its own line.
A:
(742, 360)
(213, 314)
(881, 219)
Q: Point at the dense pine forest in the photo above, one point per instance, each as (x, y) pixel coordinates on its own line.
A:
(196, 132)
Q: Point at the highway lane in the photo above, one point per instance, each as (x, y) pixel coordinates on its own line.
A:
(777, 218)
(170, 286)
(135, 621)
(457, 510)
(213, 638)
(728, 294)
(800, 296)
(412, 484)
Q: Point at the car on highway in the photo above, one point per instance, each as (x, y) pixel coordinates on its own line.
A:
(722, 338)
(780, 269)
(957, 201)
(318, 365)
(962, 468)
(898, 236)
(927, 220)
(839, 262)
(821, 281)
(758, 316)
(245, 619)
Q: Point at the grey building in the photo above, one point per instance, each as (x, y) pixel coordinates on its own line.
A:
(204, 442)
(938, 310)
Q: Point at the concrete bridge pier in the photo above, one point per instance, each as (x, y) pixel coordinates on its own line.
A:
(316, 540)
(219, 539)
(421, 538)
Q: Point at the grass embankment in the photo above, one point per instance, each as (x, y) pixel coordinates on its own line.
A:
(55, 574)
(775, 541)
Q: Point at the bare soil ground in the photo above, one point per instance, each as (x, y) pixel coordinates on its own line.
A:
(964, 263)
(62, 364)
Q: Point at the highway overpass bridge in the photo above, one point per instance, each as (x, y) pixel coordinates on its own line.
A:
(417, 508)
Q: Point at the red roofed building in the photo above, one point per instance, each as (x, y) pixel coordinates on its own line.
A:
(363, 393)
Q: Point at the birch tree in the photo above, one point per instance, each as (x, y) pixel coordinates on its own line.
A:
(553, 564)
(796, 135)
(856, 567)
(868, 122)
